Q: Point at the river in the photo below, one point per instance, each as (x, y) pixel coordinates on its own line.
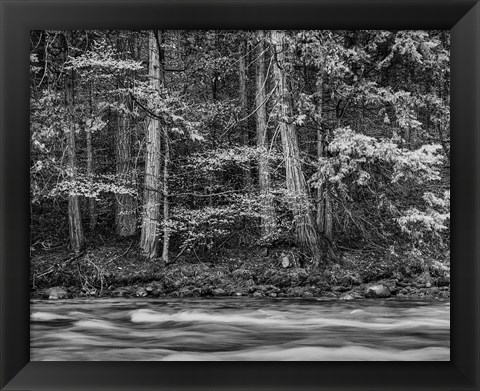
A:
(214, 329)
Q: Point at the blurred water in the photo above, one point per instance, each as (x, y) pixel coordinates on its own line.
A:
(239, 329)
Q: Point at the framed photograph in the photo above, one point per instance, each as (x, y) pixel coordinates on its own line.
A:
(273, 194)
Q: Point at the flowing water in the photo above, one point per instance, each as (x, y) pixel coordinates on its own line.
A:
(239, 329)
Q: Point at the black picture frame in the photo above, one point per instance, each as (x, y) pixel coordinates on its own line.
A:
(17, 17)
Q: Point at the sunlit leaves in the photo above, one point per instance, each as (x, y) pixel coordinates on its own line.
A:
(102, 61)
(432, 219)
(221, 159)
(91, 186)
(352, 151)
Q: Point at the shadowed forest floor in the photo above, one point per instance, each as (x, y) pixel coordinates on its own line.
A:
(118, 270)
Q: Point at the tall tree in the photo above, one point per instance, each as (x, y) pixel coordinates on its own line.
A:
(268, 211)
(305, 229)
(152, 193)
(166, 205)
(90, 168)
(125, 204)
(77, 239)
(242, 71)
(324, 206)
(166, 163)
(347, 103)
(125, 216)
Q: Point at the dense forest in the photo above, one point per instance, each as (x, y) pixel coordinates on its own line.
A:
(280, 163)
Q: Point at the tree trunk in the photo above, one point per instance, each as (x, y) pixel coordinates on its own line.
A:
(152, 194)
(125, 216)
(77, 240)
(324, 206)
(91, 200)
(244, 105)
(166, 211)
(267, 221)
(306, 232)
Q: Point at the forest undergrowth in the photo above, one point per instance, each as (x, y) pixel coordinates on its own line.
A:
(117, 269)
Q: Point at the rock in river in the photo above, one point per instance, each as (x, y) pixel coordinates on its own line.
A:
(347, 296)
(218, 292)
(377, 291)
(141, 292)
(56, 292)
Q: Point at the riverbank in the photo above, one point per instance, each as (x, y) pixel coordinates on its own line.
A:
(119, 271)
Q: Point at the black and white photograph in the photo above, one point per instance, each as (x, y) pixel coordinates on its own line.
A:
(239, 195)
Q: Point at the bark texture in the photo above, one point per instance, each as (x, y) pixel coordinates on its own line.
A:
(90, 169)
(125, 215)
(306, 232)
(91, 201)
(152, 195)
(76, 237)
(267, 222)
(242, 71)
(166, 206)
(324, 206)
